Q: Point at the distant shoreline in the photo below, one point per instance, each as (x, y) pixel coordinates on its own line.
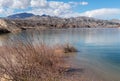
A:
(48, 22)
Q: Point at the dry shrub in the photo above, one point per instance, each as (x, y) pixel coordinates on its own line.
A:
(26, 62)
(66, 48)
(69, 48)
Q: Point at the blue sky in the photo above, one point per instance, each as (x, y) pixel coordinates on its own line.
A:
(103, 9)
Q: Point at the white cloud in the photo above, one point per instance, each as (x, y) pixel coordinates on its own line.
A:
(6, 3)
(20, 4)
(38, 3)
(42, 11)
(83, 3)
(104, 13)
(15, 4)
(53, 8)
(2, 10)
(59, 5)
(50, 11)
(56, 8)
(5, 11)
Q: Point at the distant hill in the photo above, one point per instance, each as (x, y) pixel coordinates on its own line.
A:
(23, 21)
(51, 22)
(115, 20)
(29, 20)
(20, 15)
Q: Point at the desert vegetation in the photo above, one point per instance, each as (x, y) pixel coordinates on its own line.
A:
(28, 62)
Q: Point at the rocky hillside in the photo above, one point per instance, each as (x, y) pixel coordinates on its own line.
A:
(48, 22)
(115, 20)
(7, 26)
(56, 22)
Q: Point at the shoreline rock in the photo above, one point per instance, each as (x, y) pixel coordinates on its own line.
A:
(7, 26)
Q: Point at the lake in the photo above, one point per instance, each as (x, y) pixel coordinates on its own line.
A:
(99, 49)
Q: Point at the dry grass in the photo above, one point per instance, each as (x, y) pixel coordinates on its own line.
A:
(26, 62)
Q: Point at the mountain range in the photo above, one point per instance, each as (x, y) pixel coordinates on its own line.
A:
(23, 15)
(20, 15)
(23, 21)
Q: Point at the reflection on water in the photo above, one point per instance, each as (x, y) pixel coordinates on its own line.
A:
(99, 48)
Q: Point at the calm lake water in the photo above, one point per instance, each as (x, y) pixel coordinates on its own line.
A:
(99, 49)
